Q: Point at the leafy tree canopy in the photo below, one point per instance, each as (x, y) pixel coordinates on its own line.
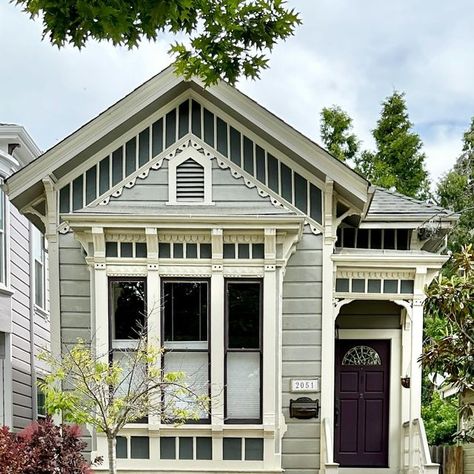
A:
(225, 38)
(398, 160)
(456, 191)
(336, 127)
(449, 347)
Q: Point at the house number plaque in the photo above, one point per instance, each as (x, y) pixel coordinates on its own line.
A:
(304, 385)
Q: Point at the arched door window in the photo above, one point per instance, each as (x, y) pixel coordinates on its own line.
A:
(361, 355)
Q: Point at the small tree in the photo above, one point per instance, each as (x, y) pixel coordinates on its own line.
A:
(398, 160)
(225, 38)
(455, 191)
(108, 392)
(449, 350)
(336, 128)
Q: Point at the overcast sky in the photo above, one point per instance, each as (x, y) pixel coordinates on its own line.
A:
(352, 53)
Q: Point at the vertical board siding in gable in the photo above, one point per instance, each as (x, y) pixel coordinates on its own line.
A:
(217, 133)
(301, 356)
(21, 333)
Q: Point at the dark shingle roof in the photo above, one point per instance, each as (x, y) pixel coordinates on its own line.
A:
(391, 204)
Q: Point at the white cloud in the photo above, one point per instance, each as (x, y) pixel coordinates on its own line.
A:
(349, 53)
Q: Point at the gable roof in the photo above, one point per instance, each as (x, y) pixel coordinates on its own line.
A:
(393, 206)
(26, 185)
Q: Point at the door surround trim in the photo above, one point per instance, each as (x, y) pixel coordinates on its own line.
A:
(395, 424)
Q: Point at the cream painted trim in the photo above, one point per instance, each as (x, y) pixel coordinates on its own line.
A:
(395, 427)
(193, 154)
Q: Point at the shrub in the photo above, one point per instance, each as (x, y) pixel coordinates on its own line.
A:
(43, 448)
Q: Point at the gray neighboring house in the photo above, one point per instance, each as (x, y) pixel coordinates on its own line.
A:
(24, 319)
(275, 276)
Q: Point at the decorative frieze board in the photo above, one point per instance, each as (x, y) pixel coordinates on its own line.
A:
(243, 238)
(126, 270)
(377, 274)
(194, 237)
(125, 236)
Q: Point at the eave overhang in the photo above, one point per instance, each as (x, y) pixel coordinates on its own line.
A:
(391, 259)
(83, 221)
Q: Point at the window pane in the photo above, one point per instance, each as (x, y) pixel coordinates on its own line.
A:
(205, 251)
(185, 447)
(235, 146)
(301, 193)
(248, 155)
(273, 175)
(140, 250)
(208, 127)
(140, 447)
(260, 162)
(167, 447)
(389, 239)
(111, 249)
(195, 366)
(178, 251)
(91, 184)
(243, 385)
(128, 308)
(258, 251)
(232, 449)
(191, 250)
(63, 199)
(221, 136)
(196, 118)
(131, 156)
(254, 449)
(376, 239)
(203, 447)
(342, 284)
(121, 447)
(126, 249)
(243, 306)
(157, 137)
(164, 250)
(39, 282)
(286, 183)
(117, 166)
(244, 250)
(185, 310)
(229, 250)
(77, 191)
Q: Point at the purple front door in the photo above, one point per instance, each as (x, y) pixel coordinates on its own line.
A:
(361, 405)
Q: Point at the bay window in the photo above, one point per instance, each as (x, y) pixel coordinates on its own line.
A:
(243, 359)
(185, 330)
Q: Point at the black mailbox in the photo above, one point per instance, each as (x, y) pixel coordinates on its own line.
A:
(304, 408)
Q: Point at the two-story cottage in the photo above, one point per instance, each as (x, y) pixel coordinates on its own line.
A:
(280, 280)
(24, 324)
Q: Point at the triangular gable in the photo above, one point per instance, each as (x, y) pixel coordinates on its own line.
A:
(26, 187)
(161, 137)
(262, 200)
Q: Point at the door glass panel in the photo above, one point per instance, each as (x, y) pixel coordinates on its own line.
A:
(361, 355)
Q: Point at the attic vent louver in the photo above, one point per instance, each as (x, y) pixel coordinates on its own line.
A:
(189, 181)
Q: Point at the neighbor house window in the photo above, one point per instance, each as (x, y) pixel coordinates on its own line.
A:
(185, 329)
(40, 401)
(243, 393)
(3, 260)
(39, 258)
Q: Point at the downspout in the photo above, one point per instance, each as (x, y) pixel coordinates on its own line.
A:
(34, 387)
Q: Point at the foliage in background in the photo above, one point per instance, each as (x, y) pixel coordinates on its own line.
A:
(43, 448)
(455, 191)
(224, 39)
(336, 133)
(448, 350)
(107, 392)
(398, 161)
(441, 419)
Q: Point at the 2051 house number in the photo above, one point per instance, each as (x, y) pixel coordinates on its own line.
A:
(308, 385)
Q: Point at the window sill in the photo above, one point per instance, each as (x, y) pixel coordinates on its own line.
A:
(7, 291)
(41, 312)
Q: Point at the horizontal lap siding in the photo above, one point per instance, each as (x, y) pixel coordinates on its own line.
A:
(227, 191)
(302, 349)
(22, 380)
(74, 289)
